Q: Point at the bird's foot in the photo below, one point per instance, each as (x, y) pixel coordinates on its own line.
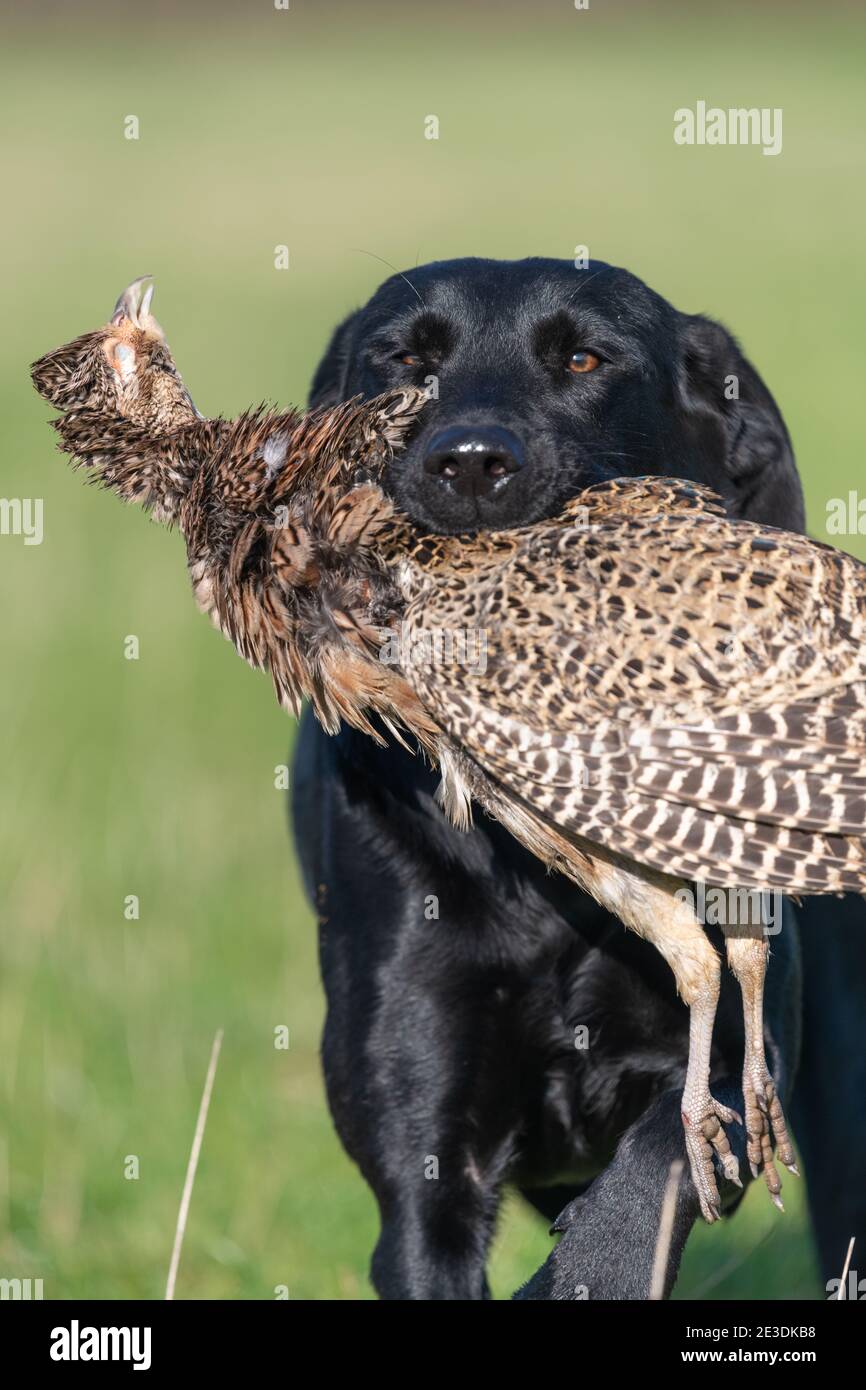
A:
(766, 1130)
(703, 1121)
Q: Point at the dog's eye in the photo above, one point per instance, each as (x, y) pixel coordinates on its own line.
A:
(409, 359)
(580, 362)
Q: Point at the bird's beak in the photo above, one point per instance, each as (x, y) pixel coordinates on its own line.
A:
(134, 305)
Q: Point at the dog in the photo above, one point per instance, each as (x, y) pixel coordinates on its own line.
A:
(487, 1023)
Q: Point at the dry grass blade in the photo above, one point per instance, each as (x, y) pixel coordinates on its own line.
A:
(193, 1164)
(666, 1226)
(843, 1281)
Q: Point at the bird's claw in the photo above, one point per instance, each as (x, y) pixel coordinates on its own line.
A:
(707, 1141)
(766, 1130)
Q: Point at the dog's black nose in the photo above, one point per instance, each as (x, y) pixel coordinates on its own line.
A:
(474, 462)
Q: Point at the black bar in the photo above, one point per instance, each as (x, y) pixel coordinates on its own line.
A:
(249, 1337)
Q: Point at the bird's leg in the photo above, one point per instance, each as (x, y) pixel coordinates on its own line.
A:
(702, 1115)
(748, 951)
(661, 910)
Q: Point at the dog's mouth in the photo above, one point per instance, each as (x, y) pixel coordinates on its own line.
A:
(451, 511)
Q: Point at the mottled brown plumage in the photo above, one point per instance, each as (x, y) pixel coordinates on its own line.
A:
(279, 524)
(683, 688)
(642, 690)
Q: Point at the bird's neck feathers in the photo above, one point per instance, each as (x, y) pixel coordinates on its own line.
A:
(71, 375)
(288, 533)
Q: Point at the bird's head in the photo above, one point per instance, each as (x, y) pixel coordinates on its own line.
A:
(139, 368)
(125, 367)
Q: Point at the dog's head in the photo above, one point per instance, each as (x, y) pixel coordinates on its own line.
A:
(545, 379)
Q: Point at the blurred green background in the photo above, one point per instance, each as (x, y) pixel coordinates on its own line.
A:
(261, 127)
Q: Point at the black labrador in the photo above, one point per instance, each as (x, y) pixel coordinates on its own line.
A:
(487, 1023)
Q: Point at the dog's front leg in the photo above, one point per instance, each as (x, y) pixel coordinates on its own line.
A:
(424, 1104)
(614, 1236)
(422, 1045)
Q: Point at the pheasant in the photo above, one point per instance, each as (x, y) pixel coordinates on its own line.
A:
(646, 693)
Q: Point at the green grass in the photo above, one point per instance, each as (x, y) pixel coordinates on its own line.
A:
(156, 777)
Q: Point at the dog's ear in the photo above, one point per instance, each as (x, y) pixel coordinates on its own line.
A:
(734, 415)
(329, 382)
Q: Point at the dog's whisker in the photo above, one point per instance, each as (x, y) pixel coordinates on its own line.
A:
(382, 260)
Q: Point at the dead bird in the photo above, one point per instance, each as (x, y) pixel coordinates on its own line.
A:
(657, 694)
(278, 519)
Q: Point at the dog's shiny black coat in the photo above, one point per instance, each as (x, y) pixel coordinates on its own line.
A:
(458, 973)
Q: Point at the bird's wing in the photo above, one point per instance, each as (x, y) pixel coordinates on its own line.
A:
(623, 499)
(688, 691)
